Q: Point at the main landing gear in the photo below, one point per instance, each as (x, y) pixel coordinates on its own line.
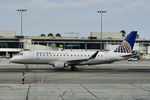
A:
(73, 68)
(26, 67)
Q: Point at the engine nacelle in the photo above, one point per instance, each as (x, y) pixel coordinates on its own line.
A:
(59, 64)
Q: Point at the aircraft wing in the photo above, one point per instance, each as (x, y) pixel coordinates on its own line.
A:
(76, 62)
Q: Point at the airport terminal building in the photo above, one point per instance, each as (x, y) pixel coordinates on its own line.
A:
(10, 43)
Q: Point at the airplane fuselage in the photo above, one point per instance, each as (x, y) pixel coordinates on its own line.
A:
(51, 57)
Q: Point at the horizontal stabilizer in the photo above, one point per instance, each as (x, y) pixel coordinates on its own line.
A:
(130, 55)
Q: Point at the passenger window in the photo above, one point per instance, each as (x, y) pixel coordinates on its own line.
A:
(47, 53)
(37, 53)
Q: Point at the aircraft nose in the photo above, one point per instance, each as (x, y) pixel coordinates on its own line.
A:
(12, 60)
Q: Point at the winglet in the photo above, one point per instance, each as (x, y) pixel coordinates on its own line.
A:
(94, 55)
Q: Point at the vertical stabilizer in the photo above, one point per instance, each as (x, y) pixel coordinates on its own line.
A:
(127, 44)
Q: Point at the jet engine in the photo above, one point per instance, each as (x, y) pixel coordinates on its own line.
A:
(59, 65)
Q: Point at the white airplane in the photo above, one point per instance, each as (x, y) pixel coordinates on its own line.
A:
(62, 59)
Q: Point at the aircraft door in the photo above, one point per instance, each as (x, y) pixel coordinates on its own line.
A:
(33, 55)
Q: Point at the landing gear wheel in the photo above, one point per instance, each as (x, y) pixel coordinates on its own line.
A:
(74, 68)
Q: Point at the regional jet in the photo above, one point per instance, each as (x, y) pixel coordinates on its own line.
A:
(62, 59)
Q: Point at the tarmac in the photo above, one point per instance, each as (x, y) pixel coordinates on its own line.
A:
(75, 92)
(118, 81)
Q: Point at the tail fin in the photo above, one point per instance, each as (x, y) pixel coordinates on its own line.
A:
(127, 44)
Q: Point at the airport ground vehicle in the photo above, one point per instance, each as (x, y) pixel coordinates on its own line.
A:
(133, 59)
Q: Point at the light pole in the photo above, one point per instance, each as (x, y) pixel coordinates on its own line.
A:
(21, 11)
(101, 12)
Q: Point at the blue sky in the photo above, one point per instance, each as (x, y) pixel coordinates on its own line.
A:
(61, 16)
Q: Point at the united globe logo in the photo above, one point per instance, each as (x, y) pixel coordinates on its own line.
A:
(124, 47)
